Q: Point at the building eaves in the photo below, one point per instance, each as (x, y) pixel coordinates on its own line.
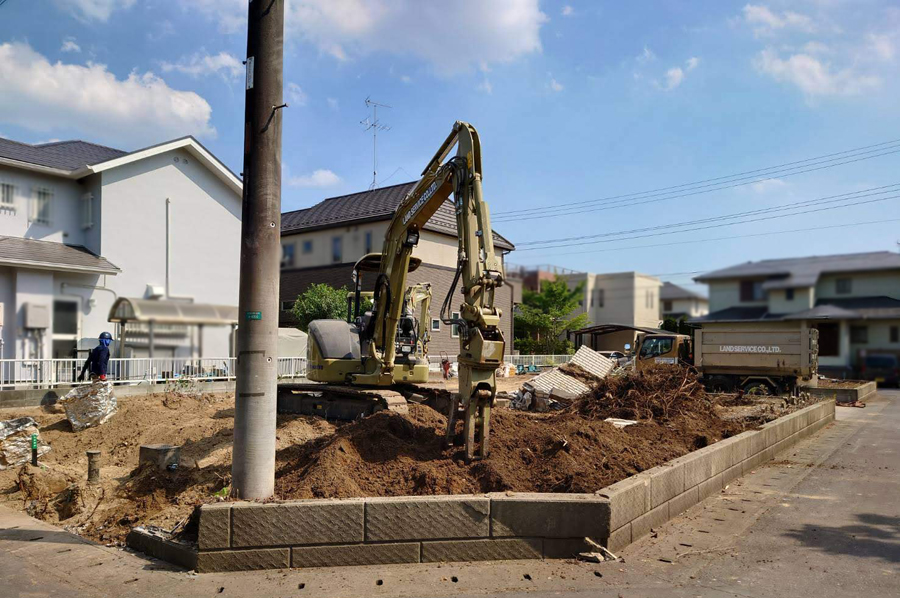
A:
(48, 255)
(671, 292)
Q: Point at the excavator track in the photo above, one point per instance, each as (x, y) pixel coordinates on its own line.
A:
(335, 401)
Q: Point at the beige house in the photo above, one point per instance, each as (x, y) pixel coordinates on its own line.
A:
(852, 299)
(322, 243)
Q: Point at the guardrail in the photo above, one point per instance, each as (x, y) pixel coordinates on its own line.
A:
(47, 373)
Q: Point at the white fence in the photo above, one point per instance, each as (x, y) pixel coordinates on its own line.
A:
(47, 373)
(524, 360)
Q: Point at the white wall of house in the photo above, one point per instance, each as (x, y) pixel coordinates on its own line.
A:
(862, 284)
(804, 299)
(619, 298)
(8, 299)
(694, 307)
(727, 293)
(64, 224)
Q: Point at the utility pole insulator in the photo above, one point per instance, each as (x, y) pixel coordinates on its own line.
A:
(253, 462)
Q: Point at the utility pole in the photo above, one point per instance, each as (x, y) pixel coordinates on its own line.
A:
(253, 462)
(374, 125)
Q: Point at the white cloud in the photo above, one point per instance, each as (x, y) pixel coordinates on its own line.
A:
(202, 64)
(692, 63)
(554, 85)
(674, 77)
(69, 45)
(333, 103)
(449, 39)
(567, 11)
(882, 46)
(138, 110)
(646, 56)
(295, 95)
(93, 10)
(767, 186)
(812, 76)
(406, 78)
(766, 22)
(318, 179)
(815, 47)
(486, 86)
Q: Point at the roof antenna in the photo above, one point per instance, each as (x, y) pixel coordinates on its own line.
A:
(374, 125)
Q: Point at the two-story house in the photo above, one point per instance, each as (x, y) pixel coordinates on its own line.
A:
(322, 243)
(677, 302)
(853, 300)
(83, 226)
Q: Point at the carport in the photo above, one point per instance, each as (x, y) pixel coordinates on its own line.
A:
(593, 333)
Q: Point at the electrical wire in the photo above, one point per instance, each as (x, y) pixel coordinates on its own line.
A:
(835, 157)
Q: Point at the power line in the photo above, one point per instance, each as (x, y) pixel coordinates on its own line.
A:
(672, 188)
(831, 199)
(548, 213)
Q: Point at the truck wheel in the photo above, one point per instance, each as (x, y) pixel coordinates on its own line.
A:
(720, 384)
(759, 387)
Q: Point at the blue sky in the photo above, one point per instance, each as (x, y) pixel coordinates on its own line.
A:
(575, 100)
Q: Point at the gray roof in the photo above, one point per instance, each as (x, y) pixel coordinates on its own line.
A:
(17, 251)
(671, 291)
(370, 206)
(805, 271)
(61, 155)
(850, 308)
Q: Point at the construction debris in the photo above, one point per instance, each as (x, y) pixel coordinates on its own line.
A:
(620, 423)
(89, 405)
(557, 388)
(15, 441)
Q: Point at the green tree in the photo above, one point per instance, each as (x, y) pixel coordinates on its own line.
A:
(545, 316)
(670, 324)
(323, 302)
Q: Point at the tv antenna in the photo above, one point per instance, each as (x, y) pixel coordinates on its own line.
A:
(374, 125)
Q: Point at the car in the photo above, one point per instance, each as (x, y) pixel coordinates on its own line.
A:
(883, 368)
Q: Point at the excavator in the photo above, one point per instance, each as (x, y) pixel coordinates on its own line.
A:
(377, 353)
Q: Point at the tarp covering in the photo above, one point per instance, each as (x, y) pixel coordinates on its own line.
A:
(292, 342)
(15, 441)
(89, 405)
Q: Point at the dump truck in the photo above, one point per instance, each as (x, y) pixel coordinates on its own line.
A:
(774, 357)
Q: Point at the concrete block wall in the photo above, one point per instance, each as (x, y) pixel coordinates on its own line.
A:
(649, 499)
(846, 395)
(405, 529)
(498, 526)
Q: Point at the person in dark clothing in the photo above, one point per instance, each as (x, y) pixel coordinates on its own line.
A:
(98, 360)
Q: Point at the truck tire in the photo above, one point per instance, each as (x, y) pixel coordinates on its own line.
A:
(720, 384)
(757, 387)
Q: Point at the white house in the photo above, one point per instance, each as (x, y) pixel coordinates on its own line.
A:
(83, 226)
(678, 302)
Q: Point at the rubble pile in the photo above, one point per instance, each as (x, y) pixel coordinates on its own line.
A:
(555, 389)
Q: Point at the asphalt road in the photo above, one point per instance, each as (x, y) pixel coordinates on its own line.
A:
(823, 520)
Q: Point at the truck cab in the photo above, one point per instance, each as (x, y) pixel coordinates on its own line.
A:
(670, 349)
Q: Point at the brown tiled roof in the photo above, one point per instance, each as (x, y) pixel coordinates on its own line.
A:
(370, 206)
(48, 254)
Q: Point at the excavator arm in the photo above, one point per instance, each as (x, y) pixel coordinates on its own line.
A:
(479, 271)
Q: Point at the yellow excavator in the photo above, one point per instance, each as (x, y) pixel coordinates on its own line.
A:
(376, 352)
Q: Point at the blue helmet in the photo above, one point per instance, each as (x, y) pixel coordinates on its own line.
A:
(106, 336)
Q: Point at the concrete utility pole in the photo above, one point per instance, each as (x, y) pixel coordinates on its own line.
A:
(253, 463)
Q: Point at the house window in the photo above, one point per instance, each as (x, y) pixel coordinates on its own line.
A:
(895, 334)
(829, 340)
(307, 247)
(7, 196)
(752, 290)
(287, 255)
(844, 286)
(454, 329)
(40, 205)
(87, 210)
(789, 294)
(435, 325)
(667, 306)
(287, 305)
(336, 249)
(65, 328)
(369, 241)
(648, 299)
(600, 297)
(859, 335)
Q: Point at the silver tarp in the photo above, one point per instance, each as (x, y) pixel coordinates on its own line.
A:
(15, 441)
(89, 405)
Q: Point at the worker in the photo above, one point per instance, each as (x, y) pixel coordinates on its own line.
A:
(98, 359)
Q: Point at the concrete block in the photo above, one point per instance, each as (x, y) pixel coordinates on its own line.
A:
(741, 447)
(641, 526)
(751, 463)
(427, 518)
(323, 521)
(684, 501)
(215, 526)
(666, 482)
(731, 474)
(355, 555)
(720, 456)
(770, 433)
(565, 548)
(549, 515)
(697, 466)
(454, 551)
(768, 454)
(161, 548)
(628, 499)
(710, 486)
(243, 560)
(757, 442)
(619, 539)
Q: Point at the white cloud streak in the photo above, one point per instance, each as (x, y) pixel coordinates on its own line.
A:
(674, 77)
(316, 180)
(202, 64)
(765, 22)
(813, 76)
(93, 10)
(70, 45)
(295, 95)
(138, 110)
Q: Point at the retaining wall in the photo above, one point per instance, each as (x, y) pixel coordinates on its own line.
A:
(499, 526)
(862, 392)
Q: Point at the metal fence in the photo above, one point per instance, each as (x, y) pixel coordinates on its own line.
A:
(525, 360)
(47, 373)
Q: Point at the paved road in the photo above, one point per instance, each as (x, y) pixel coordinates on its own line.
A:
(823, 521)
